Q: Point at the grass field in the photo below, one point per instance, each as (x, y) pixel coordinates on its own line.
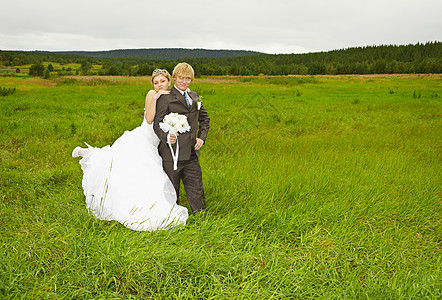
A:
(317, 188)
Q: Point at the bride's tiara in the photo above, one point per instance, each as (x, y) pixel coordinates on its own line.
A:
(160, 71)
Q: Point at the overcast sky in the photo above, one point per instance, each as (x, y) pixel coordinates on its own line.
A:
(270, 26)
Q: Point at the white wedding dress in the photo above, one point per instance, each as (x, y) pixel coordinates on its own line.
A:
(125, 182)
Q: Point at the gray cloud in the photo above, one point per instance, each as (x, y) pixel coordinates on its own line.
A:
(278, 26)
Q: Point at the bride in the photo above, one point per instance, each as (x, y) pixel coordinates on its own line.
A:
(125, 182)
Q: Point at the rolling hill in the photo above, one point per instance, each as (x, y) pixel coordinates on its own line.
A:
(161, 53)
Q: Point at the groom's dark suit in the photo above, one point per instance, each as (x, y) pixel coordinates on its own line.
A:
(189, 169)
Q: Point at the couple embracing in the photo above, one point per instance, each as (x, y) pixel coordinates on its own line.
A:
(134, 181)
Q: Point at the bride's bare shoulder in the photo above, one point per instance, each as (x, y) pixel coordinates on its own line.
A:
(151, 93)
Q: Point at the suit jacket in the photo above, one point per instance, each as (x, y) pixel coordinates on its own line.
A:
(198, 120)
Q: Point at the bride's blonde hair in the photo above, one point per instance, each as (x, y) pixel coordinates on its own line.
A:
(163, 72)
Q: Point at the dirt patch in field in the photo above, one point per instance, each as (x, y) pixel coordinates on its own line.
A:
(111, 78)
(220, 79)
(25, 83)
(41, 81)
(146, 80)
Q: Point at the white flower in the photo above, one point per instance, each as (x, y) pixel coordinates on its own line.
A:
(198, 102)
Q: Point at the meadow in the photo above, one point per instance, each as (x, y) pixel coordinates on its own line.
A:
(317, 187)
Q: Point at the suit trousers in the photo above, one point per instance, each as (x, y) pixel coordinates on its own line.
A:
(189, 171)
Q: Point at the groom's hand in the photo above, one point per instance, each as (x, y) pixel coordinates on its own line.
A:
(198, 144)
(172, 138)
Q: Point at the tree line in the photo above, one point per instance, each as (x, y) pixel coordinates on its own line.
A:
(383, 59)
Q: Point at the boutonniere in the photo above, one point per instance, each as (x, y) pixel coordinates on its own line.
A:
(198, 102)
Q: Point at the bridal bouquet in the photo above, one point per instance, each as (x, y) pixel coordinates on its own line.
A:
(173, 123)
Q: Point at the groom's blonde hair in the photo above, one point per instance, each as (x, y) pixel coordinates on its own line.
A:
(183, 70)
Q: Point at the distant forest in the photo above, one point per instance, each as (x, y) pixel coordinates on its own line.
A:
(383, 59)
(165, 53)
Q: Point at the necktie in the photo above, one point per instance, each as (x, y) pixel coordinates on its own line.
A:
(187, 99)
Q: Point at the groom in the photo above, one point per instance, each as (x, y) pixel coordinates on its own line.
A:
(183, 101)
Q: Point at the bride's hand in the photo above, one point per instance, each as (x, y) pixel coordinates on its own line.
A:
(159, 93)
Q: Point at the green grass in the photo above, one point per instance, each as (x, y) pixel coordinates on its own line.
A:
(317, 188)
